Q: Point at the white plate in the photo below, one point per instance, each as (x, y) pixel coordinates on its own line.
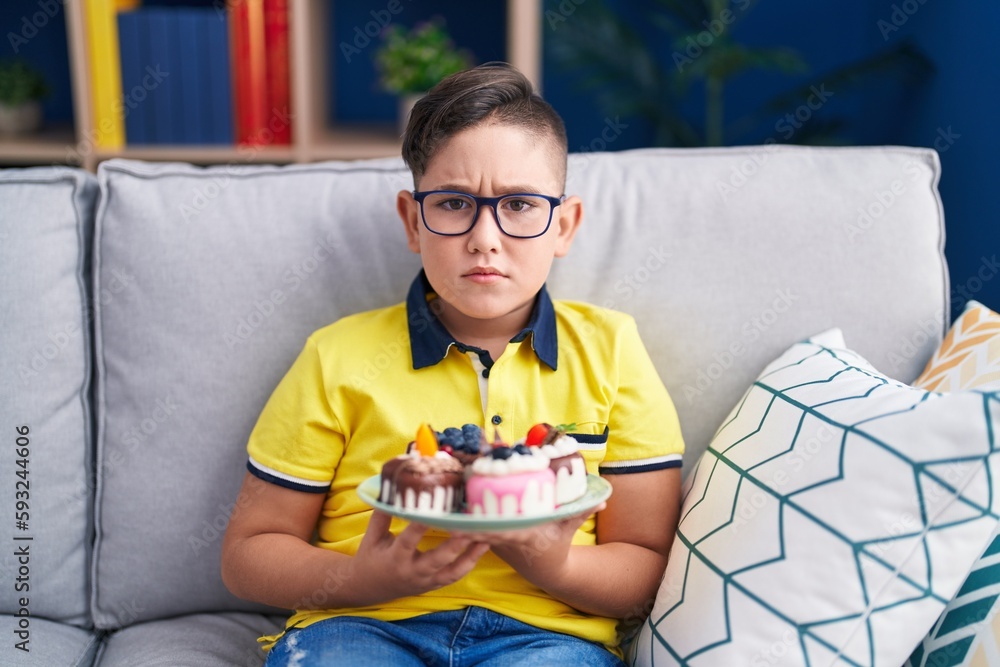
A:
(598, 490)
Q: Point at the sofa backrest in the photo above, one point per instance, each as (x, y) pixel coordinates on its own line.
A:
(46, 218)
(727, 256)
(209, 281)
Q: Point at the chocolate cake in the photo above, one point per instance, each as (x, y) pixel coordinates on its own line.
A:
(425, 479)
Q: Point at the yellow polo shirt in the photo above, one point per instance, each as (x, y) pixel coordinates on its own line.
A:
(357, 392)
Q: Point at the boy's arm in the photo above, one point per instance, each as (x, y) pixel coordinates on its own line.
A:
(267, 557)
(620, 575)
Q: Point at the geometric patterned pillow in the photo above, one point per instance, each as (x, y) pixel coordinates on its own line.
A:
(834, 515)
(967, 627)
(969, 357)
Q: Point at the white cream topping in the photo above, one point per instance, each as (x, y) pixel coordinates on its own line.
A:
(563, 446)
(486, 465)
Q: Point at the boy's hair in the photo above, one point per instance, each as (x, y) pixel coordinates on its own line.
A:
(494, 92)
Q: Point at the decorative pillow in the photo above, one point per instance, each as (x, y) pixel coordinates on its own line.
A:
(832, 518)
(969, 357)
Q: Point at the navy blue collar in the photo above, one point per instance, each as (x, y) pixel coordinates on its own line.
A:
(430, 341)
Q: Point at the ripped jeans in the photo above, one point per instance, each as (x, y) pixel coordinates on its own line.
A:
(462, 638)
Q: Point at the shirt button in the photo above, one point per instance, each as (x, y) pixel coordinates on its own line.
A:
(496, 420)
(486, 372)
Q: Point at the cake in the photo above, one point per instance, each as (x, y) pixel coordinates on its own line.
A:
(425, 479)
(565, 460)
(458, 470)
(511, 481)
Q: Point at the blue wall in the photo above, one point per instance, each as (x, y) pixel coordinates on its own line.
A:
(957, 114)
(953, 109)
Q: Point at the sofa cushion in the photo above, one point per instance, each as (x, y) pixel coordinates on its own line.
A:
(46, 219)
(228, 269)
(49, 643)
(220, 640)
(833, 517)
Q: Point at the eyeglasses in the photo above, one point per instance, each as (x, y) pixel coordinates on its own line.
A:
(521, 215)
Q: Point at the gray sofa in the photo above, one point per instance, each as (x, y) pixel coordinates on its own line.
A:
(147, 314)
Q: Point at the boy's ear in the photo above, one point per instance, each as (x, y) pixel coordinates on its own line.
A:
(409, 212)
(570, 215)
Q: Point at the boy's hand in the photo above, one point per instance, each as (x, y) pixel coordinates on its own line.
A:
(395, 568)
(539, 554)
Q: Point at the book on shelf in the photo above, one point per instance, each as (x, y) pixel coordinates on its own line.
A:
(246, 30)
(219, 96)
(133, 35)
(260, 64)
(163, 54)
(105, 74)
(278, 70)
(176, 76)
(195, 113)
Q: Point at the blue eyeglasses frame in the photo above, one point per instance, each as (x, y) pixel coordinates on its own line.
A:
(491, 202)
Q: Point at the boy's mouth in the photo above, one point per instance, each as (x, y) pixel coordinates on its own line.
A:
(484, 275)
(484, 270)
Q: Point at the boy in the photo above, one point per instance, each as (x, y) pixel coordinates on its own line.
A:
(486, 345)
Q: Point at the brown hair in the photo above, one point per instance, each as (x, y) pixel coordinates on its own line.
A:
(493, 92)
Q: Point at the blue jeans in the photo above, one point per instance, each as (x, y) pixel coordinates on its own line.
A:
(470, 636)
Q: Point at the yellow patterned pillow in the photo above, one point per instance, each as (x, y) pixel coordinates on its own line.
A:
(969, 357)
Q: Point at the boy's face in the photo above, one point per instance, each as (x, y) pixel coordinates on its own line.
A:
(491, 160)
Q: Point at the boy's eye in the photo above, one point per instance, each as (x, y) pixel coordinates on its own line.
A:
(518, 205)
(454, 204)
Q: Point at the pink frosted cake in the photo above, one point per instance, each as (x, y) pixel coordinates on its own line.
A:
(511, 481)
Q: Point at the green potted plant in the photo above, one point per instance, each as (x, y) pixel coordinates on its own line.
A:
(21, 89)
(410, 62)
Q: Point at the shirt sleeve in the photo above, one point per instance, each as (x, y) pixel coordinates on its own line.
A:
(297, 442)
(644, 431)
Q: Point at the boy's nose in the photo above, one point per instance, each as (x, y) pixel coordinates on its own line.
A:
(485, 235)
